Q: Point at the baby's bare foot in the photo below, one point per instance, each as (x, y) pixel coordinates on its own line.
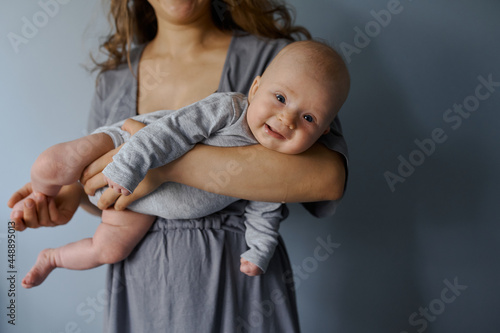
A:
(249, 268)
(45, 263)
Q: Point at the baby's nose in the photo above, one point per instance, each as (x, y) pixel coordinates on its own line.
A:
(287, 119)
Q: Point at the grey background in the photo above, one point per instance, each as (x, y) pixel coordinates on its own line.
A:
(395, 250)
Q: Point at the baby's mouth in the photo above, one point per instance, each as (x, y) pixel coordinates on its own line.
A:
(272, 132)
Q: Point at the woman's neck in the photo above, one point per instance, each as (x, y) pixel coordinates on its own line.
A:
(185, 40)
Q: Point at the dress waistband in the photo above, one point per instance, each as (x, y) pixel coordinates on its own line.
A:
(214, 221)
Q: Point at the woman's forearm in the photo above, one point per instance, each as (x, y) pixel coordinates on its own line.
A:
(257, 173)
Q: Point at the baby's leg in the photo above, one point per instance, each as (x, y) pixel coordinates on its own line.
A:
(62, 164)
(114, 239)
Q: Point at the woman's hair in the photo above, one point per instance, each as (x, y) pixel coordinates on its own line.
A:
(134, 22)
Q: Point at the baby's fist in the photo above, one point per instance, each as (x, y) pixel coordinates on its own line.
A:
(118, 188)
(249, 268)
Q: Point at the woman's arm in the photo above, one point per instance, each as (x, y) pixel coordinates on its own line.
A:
(257, 173)
(252, 172)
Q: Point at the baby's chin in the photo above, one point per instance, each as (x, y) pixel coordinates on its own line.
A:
(286, 149)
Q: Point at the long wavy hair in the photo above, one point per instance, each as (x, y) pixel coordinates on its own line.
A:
(134, 22)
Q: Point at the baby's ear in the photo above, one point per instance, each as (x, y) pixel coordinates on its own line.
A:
(253, 88)
(327, 130)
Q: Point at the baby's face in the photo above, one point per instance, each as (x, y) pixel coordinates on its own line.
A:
(289, 110)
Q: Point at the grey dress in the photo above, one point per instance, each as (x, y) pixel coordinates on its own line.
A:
(184, 274)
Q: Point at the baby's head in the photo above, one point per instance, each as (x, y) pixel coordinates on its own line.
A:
(296, 99)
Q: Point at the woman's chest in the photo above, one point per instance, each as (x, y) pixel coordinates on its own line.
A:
(171, 85)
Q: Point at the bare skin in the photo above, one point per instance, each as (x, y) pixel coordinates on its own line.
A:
(187, 57)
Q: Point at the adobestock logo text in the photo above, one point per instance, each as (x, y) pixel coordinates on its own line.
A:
(31, 26)
(454, 118)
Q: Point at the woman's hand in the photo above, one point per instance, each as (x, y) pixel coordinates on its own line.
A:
(40, 211)
(92, 176)
(154, 178)
(93, 179)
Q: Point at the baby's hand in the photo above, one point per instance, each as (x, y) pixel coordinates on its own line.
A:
(249, 268)
(118, 188)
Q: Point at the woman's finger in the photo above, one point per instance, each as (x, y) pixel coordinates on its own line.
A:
(123, 201)
(150, 183)
(95, 168)
(63, 207)
(53, 211)
(30, 215)
(95, 183)
(107, 199)
(98, 165)
(42, 208)
(17, 218)
(132, 126)
(20, 194)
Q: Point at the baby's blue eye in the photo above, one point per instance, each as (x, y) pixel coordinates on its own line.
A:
(280, 98)
(309, 118)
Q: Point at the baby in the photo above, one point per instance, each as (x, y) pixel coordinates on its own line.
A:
(288, 109)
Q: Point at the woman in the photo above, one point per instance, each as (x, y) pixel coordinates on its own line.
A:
(184, 275)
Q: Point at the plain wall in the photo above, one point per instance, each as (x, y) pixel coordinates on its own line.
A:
(420, 255)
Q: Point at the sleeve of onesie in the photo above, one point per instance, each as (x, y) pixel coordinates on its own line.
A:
(120, 136)
(168, 138)
(262, 221)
